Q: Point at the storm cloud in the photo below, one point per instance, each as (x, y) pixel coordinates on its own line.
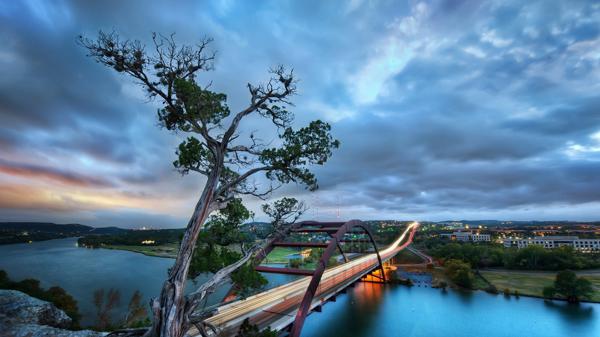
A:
(444, 109)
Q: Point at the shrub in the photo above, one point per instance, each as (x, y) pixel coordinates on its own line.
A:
(491, 289)
(295, 263)
(460, 273)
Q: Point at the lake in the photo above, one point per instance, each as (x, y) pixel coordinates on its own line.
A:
(80, 271)
(368, 310)
(375, 310)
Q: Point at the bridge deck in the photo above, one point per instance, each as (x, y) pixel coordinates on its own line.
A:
(277, 307)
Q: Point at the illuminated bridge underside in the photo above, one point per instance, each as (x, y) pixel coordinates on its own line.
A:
(289, 304)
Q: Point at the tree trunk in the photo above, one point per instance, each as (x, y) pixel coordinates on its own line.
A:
(169, 318)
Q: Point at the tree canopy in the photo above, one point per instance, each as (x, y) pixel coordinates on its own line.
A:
(214, 146)
(569, 286)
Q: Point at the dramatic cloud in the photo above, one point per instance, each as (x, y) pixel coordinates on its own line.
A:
(445, 109)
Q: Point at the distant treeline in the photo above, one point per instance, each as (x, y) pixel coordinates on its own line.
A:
(530, 258)
(133, 238)
(23, 232)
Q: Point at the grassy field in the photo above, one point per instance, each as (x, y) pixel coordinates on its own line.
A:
(532, 283)
(279, 255)
(166, 250)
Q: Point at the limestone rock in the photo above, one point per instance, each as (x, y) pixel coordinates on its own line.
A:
(18, 307)
(24, 316)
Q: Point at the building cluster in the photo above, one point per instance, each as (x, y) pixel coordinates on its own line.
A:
(467, 236)
(549, 242)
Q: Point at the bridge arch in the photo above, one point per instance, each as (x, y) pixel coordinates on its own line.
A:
(334, 243)
(336, 231)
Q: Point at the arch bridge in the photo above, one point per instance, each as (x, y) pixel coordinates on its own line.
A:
(286, 307)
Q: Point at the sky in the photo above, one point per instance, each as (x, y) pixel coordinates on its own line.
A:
(444, 109)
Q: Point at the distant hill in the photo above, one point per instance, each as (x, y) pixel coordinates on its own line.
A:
(510, 223)
(108, 231)
(20, 232)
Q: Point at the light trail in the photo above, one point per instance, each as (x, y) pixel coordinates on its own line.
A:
(233, 313)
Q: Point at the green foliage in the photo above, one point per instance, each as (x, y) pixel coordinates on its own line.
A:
(210, 259)
(193, 155)
(529, 258)
(548, 292)
(4, 280)
(572, 287)
(283, 211)
(104, 307)
(459, 272)
(137, 316)
(194, 103)
(250, 330)
(169, 74)
(536, 257)
(56, 295)
(309, 145)
(295, 263)
(132, 238)
(476, 255)
(247, 280)
(64, 301)
(492, 289)
(221, 230)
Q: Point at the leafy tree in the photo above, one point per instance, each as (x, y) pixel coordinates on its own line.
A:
(221, 230)
(529, 258)
(136, 312)
(295, 263)
(548, 292)
(30, 287)
(4, 280)
(332, 262)
(247, 280)
(459, 272)
(215, 147)
(248, 329)
(104, 307)
(570, 286)
(65, 302)
(284, 211)
(56, 295)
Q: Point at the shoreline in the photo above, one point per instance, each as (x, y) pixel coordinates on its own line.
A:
(141, 250)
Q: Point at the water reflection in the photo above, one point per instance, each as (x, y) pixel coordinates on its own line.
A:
(371, 310)
(571, 312)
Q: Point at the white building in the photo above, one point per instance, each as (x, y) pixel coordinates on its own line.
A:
(468, 236)
(549, 242)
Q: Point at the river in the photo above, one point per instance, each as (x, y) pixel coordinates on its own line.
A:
(368, 310)
(81, 271)
(375, 310)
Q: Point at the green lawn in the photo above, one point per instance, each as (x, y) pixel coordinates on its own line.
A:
(279, 255)
(166, 250)
(532, 283)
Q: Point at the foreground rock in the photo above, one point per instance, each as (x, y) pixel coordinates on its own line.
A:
(24, 316)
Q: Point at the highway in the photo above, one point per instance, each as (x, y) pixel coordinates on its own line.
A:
(277, 307)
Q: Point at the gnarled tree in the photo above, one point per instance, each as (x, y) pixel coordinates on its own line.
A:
(215, 147)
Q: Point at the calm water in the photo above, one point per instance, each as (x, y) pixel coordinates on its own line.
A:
(373, 310)
(80, 271)
(369, 310)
